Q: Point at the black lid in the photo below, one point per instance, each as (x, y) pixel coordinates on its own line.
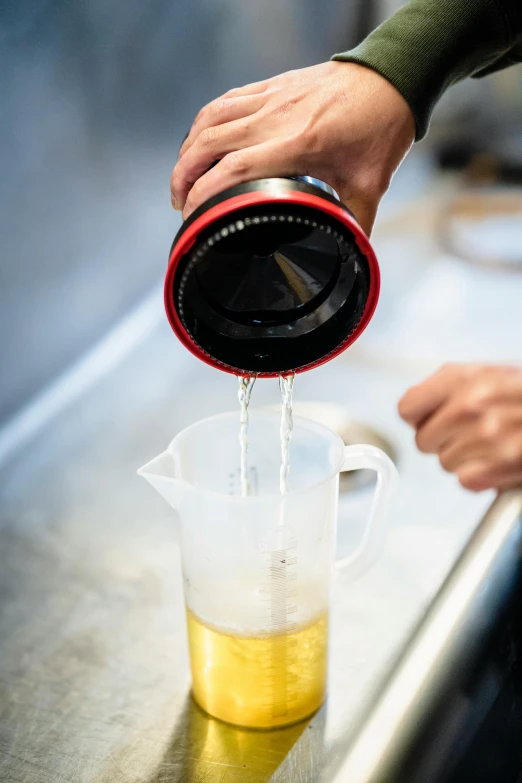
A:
(272, 288)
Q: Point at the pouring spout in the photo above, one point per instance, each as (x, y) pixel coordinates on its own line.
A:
(160, 472)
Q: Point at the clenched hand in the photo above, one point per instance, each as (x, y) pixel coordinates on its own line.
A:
(471, 417)
(339, 122)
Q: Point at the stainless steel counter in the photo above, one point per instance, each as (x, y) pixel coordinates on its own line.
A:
(439, 656)
(94, 683)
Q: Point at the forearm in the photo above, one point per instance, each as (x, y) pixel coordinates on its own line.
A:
(428, 45)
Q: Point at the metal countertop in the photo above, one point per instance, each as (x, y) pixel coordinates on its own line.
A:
(437, 678)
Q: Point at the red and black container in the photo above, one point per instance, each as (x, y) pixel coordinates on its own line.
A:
(271, 277)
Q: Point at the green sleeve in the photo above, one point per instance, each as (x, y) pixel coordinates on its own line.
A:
(428, 45)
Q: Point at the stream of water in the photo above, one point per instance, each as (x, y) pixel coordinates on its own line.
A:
(286, 384)
(246, 384)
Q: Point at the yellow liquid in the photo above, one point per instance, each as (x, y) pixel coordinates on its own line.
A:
(258, 681)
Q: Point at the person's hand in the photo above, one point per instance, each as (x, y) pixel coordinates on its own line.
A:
(339, 122)
(471, 417)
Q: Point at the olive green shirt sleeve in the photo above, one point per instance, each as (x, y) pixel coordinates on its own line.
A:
(428, 45)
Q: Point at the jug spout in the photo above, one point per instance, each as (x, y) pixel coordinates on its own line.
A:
(160, 472)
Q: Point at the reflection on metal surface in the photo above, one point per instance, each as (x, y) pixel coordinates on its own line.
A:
(318, 183)
(448, 637)
(201, 748)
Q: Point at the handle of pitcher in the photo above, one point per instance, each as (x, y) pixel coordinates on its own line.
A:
(368, 457)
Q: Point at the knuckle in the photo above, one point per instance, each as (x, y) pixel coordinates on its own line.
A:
(474, 403)
(178, 179)
(220, 105)
(422, 442)
(217, 108)
(194, 196)
(484, 393)
(468, 370)
(445, 463)
(491, 426)
(511, 453)
(473, 480)
(471, 370)
(237, 163)
(175, 183)
(190, 205)
(202, 113)
(209, 137)
(404, 407)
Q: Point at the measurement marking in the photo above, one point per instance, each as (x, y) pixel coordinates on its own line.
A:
(278, 597)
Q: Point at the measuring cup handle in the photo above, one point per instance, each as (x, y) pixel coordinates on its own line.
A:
(369, 457)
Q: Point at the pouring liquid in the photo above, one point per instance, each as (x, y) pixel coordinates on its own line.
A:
(246, 384)
(286, 385)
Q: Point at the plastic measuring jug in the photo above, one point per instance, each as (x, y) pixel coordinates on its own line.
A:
(257, 569)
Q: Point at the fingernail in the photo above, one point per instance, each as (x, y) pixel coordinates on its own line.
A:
(175, 204)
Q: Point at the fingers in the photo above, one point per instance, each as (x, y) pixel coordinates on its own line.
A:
(483, 449)
(423, 400)
(219, 112)
(462, 450)
(506, 481)
(210, 146)
(476, 402)
(478, 469)
(453, 418)
(263, 160)
(479, 475)
(475, 475)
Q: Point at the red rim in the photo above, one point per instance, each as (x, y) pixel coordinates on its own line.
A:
(229, 206)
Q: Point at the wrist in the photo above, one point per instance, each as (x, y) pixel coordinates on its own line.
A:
(427, 46)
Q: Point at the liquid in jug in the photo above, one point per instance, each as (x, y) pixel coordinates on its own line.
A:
(259, 681)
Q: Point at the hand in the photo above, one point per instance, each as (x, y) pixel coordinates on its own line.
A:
(339, 122)
(471, 417)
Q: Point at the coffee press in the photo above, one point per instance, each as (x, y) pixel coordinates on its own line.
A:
(271, 277)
